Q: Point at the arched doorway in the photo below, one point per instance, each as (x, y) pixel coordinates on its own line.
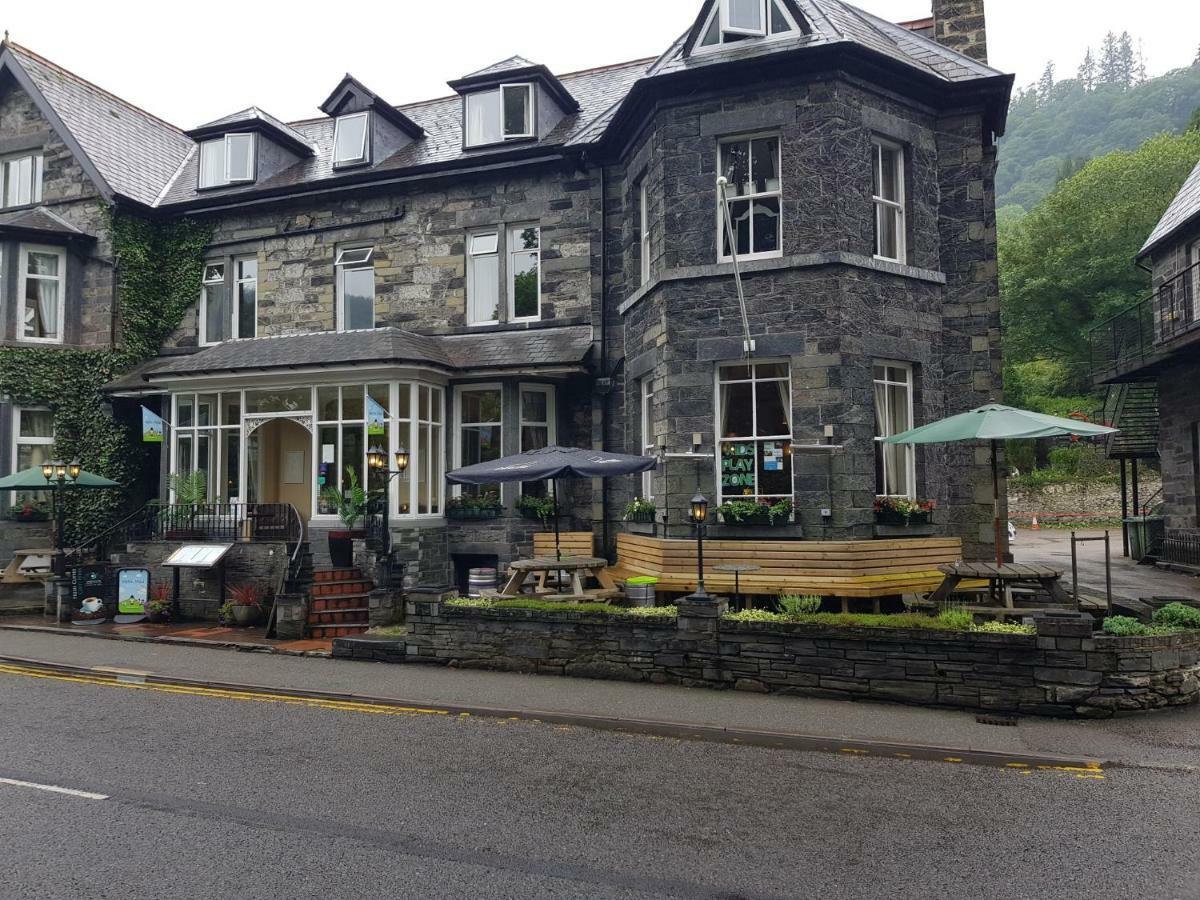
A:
(279, 466)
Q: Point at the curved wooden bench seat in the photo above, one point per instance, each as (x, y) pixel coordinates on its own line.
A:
(855, 569)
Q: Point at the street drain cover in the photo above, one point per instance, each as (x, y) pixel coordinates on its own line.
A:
(1002, 721)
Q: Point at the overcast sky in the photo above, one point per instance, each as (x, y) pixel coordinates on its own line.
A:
(193, 64)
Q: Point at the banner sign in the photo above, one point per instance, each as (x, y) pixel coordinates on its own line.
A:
(376, 418)
(153, 427)
(133, 593)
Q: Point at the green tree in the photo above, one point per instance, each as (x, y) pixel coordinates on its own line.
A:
(1087, 71)
(1069, 264)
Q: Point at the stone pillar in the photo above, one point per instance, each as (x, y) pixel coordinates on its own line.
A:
(386, 607)
(291, 616)
(961, 25)
(701, 618)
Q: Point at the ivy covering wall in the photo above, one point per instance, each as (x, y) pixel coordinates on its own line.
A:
(158, 269)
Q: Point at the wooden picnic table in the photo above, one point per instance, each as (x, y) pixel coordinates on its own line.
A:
(576, 567)
(1001, 580)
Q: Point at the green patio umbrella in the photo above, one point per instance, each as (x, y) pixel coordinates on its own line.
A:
(32, 479)
(996, 423)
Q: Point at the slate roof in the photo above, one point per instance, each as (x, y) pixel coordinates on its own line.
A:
(151, 161)
(40, 220)
(135, 152)
(252, 115)
(527, 349)
(1183, 209)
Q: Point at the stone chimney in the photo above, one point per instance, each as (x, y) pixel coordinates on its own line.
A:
(961, 25)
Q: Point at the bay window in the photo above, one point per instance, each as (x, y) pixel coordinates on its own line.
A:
(21, 180)
(895, 464)
(41, 288)
(480, 429)
(754, 410)
(355, 289)
(227, 160)
(207, 438)
(751, 166)
(499, 115)
(887, 191)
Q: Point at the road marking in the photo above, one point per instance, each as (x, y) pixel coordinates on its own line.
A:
(54, 789)
(1023, 764)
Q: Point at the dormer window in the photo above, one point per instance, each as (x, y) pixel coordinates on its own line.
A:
(504, 114)
(737, 20)
(351, 140)
(21, 180)
(227, 160)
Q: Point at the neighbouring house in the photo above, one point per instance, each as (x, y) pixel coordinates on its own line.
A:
(541, 258)
(1147, 356)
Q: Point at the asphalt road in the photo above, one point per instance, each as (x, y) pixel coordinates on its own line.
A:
(208, 797)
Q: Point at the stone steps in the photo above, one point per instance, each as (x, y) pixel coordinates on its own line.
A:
(339, 603)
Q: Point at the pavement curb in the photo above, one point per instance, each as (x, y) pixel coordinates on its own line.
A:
(244, 647)
(658, 728)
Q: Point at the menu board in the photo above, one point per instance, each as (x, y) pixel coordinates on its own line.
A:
(737, 468)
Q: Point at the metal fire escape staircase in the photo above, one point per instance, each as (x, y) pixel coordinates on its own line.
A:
(1132, 407)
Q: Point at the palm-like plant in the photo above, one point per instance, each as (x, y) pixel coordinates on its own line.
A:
(350, 502)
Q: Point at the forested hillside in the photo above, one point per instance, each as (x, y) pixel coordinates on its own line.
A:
(1057, 125)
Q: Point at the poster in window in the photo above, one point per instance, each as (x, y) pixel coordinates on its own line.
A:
(772, 457)
(737, 468)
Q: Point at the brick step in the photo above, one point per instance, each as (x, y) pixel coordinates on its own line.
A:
(340, 617)
(329, 632)
(326, 575)
(342, 588)
(329, 604)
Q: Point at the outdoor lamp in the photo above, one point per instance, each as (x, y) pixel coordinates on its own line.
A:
(699, 509)
(402, 460)
(74, 469)
(376, 458)
(60, 470)
(699, 512)
(48, 470)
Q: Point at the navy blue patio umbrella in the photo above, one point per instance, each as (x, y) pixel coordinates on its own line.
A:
(552, 463)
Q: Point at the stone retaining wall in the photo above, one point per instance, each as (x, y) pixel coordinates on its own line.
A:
(1065, 670)
(1076, 498)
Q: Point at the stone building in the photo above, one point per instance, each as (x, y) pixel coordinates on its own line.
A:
(1148, 356)
(542, 258)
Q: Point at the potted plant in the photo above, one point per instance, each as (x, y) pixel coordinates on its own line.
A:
(533, 507)
(641, 510)
(246, 604)
(350, 504)
(158, 609)
(190, 491)
(30, 511)
(484, 505)
(225, 614)
(756, 512)
(903, 511)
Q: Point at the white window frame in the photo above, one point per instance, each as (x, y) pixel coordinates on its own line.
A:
(364, 155)
(748, 139)
(35, 176)
(647, 437)
(500, 91)
(910, 450)
(23, 277)
(202, 317)
(472, 277)
(511, 249)
(365, 260)
(550, 424)
(757, 439)
(18, 441)
(226, 144)
(719, 16)
(644, 226)
(727, 26)
(235, 302)
(459, 390)
(883, 206)
(1192, 261)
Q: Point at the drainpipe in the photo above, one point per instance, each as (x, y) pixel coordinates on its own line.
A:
(607, 396)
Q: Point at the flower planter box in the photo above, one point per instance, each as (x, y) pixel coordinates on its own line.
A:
(643, 518)
(891, 517)
(474, 513)
(758, 520)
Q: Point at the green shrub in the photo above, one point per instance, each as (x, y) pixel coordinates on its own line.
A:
(1124, 626)
(1178, 615)
(956, 620)
(535, 605)
(851, 620)
(792, 605)
(1004, 628)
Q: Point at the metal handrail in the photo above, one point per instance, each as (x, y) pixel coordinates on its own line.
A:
(1133, 332)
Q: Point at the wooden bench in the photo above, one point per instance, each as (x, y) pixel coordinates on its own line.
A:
(845, 569)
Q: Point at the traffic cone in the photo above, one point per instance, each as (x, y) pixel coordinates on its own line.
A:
(1036, 526)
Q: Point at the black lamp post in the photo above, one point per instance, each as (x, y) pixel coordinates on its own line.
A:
(699, 516)
(377, 462)
(60, 475)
